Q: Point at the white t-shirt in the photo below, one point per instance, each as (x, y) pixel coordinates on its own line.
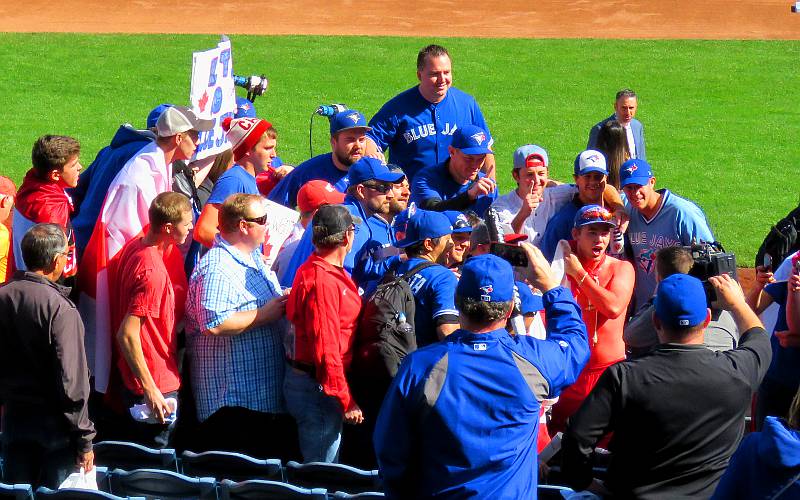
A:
(553, 199)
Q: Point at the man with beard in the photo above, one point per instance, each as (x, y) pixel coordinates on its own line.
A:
(369, 194)
(348, 140)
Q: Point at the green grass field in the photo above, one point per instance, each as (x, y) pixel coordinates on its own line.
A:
(722, 118)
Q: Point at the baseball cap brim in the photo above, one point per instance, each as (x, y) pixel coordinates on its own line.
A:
(389, 177)
(477, 150)
(360, 127)
(467, 229)
(514, 237)
(640, 181)
(589, 170)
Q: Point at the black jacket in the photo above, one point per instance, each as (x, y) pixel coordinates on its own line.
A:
(44, 379)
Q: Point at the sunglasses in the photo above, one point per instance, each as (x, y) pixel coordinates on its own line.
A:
(381, 188)
(461, 222)
(256, 220)
(601, 213)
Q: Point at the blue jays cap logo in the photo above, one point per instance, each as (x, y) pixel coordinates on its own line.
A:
(487, 290)
(593, 158)
(633, 168)
(479, 138)
(354, 117)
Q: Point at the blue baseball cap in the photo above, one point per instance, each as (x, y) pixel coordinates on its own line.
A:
(348, 119)
(152, 118)
(424, 224)
(593, 214)
(472, 140)
(244, 109)
(459, 221)
(680, 301)
(590, 161)
(487, 278)
(367, 169)
(635, 171)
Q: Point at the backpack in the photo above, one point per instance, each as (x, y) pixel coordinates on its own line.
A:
(781, 240)
(386, 329)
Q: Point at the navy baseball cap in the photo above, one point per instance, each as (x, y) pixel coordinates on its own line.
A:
(472, 140)
(245, 109)
(530, 155)
(459, 221)
(367, 169)
(590, 161)
(348, 119)
(680, 301)
(635, 171)
(424, 224)
(487, 278)
(152, 118)
(593, 214)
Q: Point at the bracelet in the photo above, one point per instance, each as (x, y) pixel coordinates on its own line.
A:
(580, 281)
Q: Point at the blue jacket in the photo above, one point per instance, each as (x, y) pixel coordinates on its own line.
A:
(638, 136)
(764, 464)
(365, 259)
(461, 417)
(93, 183)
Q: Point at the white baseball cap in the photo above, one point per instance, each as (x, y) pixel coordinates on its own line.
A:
(179, 119)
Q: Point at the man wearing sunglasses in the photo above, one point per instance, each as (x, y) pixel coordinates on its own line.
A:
(123, 216)
(368, 196)
(602, 286)
(234, 340)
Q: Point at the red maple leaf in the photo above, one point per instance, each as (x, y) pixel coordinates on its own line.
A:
(203, 101)
(267, 246)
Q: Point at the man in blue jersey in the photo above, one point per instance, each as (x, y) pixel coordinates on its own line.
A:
(369, 194)
(458, 183)
(253, 142)
(461, 417)
(659, 219)
(348, 140)
(418, 124)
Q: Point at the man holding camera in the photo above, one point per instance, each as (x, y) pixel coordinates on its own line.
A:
(461, 417)
(602, 286)
(677, 415)
(640, 336)
(658, 219)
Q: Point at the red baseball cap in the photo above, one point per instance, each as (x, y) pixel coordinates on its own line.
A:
(316, 193)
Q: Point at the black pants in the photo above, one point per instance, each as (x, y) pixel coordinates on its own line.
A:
(257, 434)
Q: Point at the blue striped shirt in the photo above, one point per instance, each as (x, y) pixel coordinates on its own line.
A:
(241, 370)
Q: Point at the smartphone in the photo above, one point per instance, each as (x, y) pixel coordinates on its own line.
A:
(513, 254)
(768, 262)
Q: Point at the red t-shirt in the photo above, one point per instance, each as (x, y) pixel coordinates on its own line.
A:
(323, 307)
(144, 287)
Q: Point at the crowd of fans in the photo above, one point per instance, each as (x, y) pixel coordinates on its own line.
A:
(141, 305)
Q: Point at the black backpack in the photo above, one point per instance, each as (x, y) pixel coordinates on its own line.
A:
(386, 328)
(781, 240)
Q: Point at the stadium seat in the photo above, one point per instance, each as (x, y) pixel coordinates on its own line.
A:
(551, 492)
(258, 489)
(161, 484)
(227, 465)
(129, 456)
(333, 477)
(75, 494)
(16, 491)
(368, 495)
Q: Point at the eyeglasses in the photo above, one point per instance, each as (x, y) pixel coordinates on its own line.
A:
(597, 213)
(256, 220)
(381, 188)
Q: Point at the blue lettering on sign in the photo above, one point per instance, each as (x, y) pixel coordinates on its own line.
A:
(212, 73)
(221, 139)
(225, 58)
(216, 103)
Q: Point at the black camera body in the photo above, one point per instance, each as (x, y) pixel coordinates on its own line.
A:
(710, 259)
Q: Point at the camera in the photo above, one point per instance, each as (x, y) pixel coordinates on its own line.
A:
(513, 254)
(254, 85)
(710, 259)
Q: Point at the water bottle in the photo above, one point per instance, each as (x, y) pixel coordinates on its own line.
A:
(402, 324)
(617, 242)
(330, 110)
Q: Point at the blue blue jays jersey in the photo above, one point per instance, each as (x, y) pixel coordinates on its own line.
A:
(318, 167)
(417, 132)
(435, 183)
(677, 223)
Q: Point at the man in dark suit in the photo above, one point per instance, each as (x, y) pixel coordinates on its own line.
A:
(625, 106)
